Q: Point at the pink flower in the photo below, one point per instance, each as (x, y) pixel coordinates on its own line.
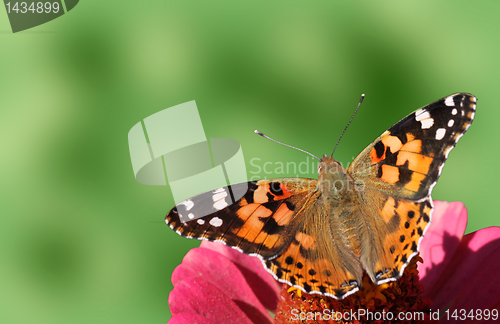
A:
(460, 272)
(217, 284)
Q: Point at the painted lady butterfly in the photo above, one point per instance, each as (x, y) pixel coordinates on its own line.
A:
(321, 235)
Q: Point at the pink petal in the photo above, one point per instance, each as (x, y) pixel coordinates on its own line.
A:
(196, 296)
(265, 287)
(471, 280)
(215, 268)
(440, 241)
(185, 318)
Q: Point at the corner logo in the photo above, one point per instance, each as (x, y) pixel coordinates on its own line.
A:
(28, 14)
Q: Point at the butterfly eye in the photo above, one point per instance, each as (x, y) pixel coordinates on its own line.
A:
(320, 167)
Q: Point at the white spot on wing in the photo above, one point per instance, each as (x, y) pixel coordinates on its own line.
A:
(454, 111)
(216, 222)
(440, 133)
(427, 123)
(188, 203)
(190, 215)
(221, 204)
(220, 195)
(219, 190)
(451, 122)
(424, 118)
(200, 221)
(421, 116)
(449, 101)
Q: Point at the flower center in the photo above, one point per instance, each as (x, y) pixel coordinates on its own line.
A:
(395, 302)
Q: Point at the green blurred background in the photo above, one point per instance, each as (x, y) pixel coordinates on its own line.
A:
(82, 242)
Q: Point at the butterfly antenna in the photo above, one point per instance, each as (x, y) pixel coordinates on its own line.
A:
(359, 104)
(261, 134)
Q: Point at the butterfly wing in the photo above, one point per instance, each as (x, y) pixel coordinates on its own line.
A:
(279, 221)
(318, 260)
(398, 171)
(261, 221)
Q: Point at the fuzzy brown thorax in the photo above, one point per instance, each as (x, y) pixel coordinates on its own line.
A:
(335, 182)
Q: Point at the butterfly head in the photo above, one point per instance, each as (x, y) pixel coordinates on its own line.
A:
(328, 165)
(333, 178)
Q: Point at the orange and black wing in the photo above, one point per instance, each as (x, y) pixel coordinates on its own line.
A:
(279, 221)
(407, 159)
(398, 171)
(258, 217)
(318, 260)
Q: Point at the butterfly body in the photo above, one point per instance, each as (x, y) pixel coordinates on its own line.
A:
(322, 235)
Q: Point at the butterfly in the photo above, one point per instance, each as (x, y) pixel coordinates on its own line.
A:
(323, 235)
